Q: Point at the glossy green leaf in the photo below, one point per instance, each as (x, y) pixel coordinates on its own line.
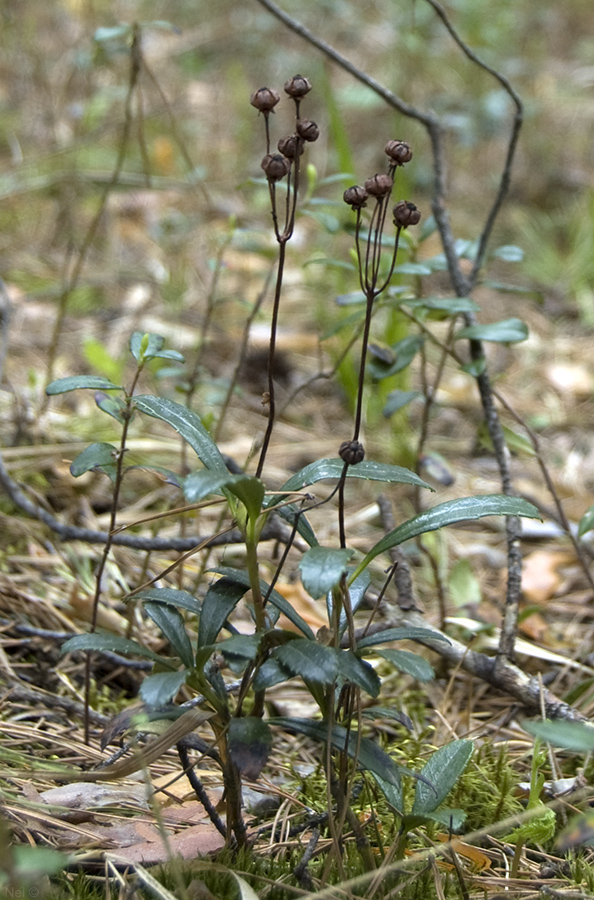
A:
(187, 424)
(159, 689)
(198, 485)
(170, 621)
(586, 522)
(244, 646)
(250, 491)
(448, 513)
(576, 736)
(358, 672)
(509, 253)
(146, 346)
(219, 602)
(369, 756)
(392, 792)
(95, 456)
(173, 596)
(440, 774)
(111, 404)
(289, 513)
(112, 643)
(312, 661)
(270, 673)
(409, 663)
(74, 382)
(367, 470)
(451, 305)
(398, 400)
(404, 350)
(507, 331)
(404, 633)
(321, 569)
(249, 742)
(357, 591)
(275, 599)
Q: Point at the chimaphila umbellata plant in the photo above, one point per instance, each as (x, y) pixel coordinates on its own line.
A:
(199, 625)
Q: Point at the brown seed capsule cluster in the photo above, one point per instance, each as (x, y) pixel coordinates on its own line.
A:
(277, 165)
(352, 452)
(406, 213)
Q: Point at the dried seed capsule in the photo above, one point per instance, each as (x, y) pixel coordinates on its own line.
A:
(291, 146)
(351, 452)
(308, 130)
(275, 166)
(405, 214)
(265, 99)
(399, 152)
(298, 86)
(356, 197)
(379, 185)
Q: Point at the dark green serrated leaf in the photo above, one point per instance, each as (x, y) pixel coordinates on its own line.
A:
(174, 597)
(171, 623)
(358, 672)
(507, 331)
(112, 643)
(404, 633)
(367, 470)
(449, 513)
(369, 756)
(243, 645)
(159, 689)
(312, 661)
(250, 741)
(321, 569)
(270, 673)
(186, 423)
(440, 774)
(95, 456)
(275, 599)
(75, 382)
(221, 599)
(409, 663)
(384, 712)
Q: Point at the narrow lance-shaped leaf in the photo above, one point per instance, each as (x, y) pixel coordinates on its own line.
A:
(74, 382)
(508, 331)
(112, 643)
(186, 423)
(367, 470)
(449, 513)
(171, 623)
(322, 568)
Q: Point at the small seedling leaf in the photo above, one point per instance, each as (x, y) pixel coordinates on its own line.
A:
(322, 568)
(74, 382)
(507, 331)
(171, 623)
(439, 776)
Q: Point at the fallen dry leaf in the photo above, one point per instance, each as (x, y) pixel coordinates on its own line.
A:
(541, 578)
